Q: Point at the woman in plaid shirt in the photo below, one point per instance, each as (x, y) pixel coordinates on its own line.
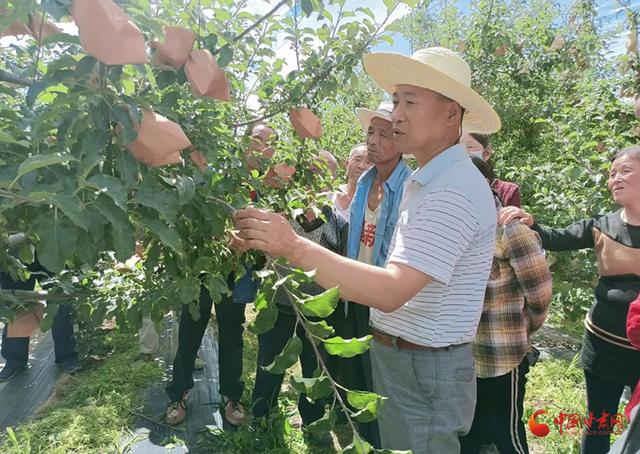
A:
(515, 305)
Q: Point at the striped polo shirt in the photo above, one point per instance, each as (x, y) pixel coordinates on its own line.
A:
(446, 229)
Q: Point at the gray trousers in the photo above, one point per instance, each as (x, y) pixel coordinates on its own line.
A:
(148, 336)
(432, 397)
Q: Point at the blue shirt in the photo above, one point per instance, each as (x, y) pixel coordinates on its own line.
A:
(387, 218)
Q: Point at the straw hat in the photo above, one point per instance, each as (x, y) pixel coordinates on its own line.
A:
(366, 115)
(440, 70)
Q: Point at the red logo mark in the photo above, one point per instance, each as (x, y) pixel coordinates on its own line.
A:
(368, 234)
(539, 430)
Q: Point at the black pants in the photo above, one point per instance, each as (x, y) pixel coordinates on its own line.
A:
(354, 373)
(267, 386)
(498, 415)
(15, 350)
(603, 395)
(230, 318)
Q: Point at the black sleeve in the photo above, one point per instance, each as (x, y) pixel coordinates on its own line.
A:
(577, 236)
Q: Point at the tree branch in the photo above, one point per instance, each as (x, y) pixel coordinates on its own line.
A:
(255, 24)
(13, 79)
(315, 80)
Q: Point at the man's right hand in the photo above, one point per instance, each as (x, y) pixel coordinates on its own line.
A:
(235, 242)
(509, 214)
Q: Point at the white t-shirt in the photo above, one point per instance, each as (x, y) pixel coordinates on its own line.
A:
(368, 235)
(343, 212)
(446, 230)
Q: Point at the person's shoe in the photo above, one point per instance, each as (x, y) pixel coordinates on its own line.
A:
(71, 367)
(177, 411)
(8, 373)
(199, 364)
(234, 412)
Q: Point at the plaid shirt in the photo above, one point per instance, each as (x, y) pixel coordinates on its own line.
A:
(516, 302)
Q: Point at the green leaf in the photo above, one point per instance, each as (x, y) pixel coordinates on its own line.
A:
(116, 217)
(370, 412)
(57, 8)
(60, 38)
(194, 311)
(307, 7)
(49, 314)
(7, 138)
(410, 3)
(123, 241)
(168, 236)
(360, 399)
(128, 169)
(35, 89)
(186, 189)
(390, 4)
(111, 187)
(42, 160)
(368, 404)
(357, 446)
(120, 114)
(164, 203)
(88, 248)
(324, 424)
(347, 348)
(320, 305)
(72, 207)
(58, 239)
(320, 329)
(266, 316)
(217, 287)
(25, 253)
(287, 358)
(225, 56)
(315, 388)
(188, 289)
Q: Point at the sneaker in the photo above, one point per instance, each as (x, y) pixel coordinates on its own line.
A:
(8, 373)
(71, 367)
(234, 412)
(177, 411)
(199, 364)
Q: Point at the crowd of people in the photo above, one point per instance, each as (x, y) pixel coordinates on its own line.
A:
(440, 264)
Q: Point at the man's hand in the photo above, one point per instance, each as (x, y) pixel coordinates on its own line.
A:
(235, 242)
(266, 231)
(507, 215)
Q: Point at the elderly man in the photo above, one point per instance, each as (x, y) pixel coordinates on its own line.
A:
(356, 165)
(426, 302)
(374, 215)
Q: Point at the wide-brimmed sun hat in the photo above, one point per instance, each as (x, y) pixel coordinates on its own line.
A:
(440, 70)
(366, 115)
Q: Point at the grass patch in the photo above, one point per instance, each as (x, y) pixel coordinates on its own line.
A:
(557, 386)
(90, 411)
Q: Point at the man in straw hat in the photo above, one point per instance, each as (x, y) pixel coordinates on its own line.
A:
(426, 302)
(373, 215)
